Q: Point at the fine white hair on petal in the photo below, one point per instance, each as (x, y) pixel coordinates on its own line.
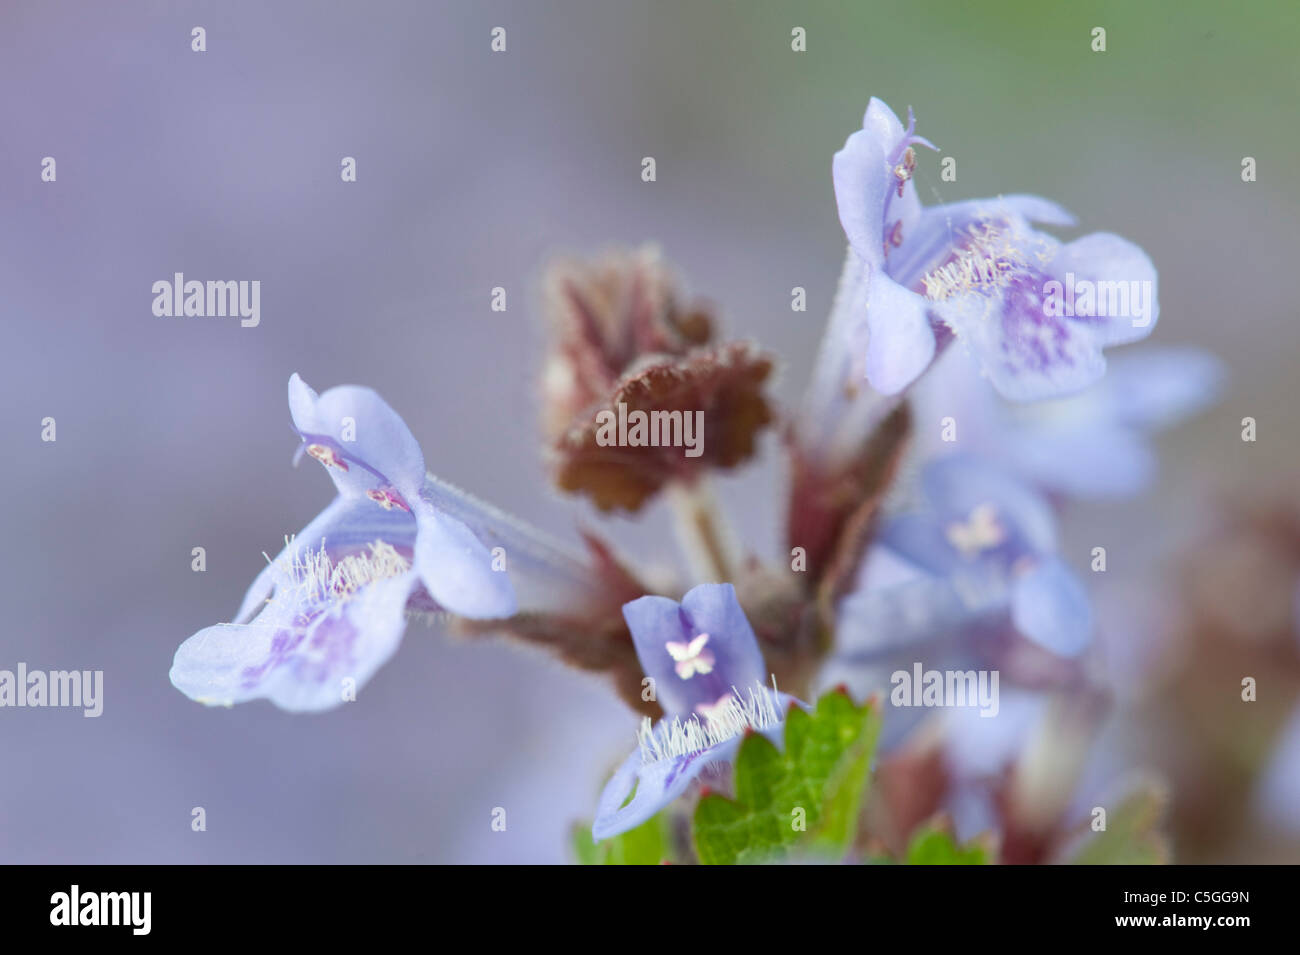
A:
(312, 576)
(758, 709)
(988, 257)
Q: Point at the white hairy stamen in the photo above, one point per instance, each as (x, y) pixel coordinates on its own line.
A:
(987, 262)
(314, 577)
(729, 718)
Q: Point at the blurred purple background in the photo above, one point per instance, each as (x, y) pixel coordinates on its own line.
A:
(473, 169)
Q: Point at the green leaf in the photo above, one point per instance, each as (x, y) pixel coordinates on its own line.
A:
(844, 791)
(648, 844)
(1132, 835)
(806, 797)
(930, 846)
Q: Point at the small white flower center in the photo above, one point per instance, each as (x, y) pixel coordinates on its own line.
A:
(691, 658)
(978, 533)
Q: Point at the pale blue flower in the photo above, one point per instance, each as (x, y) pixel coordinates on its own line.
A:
(978, 553)
(709, 677)
(331, 608)
(1095, 443)
(1034, 313)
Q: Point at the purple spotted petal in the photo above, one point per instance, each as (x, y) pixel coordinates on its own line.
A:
(1004, 320)
(1038, 328)
(299, 656)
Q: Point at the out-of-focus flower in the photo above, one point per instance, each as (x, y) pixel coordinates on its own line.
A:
(1035, 313)
(990, 542)
(1022, 776)
(332, 606)
(1094, 443)
(958, 583)
(709, 677)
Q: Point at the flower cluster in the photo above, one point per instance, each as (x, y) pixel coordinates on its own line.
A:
(923, 537)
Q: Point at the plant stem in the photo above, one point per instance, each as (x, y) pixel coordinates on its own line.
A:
(705, 537)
